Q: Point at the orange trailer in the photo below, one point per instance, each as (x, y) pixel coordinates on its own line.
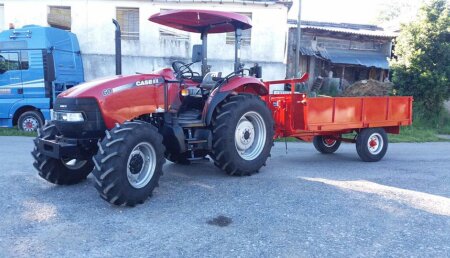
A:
(325, 120)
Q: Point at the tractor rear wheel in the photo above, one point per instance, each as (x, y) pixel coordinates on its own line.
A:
(129, 163)
(326, 144)
(242, 134)
(372, 144)
(64, 171)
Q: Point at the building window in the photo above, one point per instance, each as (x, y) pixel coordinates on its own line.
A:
(59, 17)
(128, 19)
(246, 34)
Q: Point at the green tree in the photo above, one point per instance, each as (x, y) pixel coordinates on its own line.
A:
(422, 68)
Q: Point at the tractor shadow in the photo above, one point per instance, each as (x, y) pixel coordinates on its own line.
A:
(198, 170)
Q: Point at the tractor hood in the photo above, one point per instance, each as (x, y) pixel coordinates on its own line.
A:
(103, 87)
(122, 98)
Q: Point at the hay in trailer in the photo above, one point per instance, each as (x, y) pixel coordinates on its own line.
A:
(368, 88)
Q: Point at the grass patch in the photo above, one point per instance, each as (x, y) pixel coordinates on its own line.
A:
(444, 129)
(415, 134)
(15, 132)
(287, 139)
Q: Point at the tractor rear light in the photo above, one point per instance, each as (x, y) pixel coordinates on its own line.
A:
(185, 92)
(69, 116)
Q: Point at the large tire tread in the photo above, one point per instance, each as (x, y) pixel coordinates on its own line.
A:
(53, 170)
(110, 162)
(223, 147)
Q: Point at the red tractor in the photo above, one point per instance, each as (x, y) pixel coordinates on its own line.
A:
(123, 128)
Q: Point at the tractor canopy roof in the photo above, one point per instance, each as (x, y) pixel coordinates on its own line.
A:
(201, 21)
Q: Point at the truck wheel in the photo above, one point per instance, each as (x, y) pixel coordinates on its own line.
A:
(242, 134)
(129, 163)
(372, 144)
(59, 171)
(326, 144)
(30, 121)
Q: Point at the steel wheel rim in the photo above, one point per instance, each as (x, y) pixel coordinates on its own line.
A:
(73, 163)
(328, 142)
(30, 124)
(375, 143)
(139, 175)
(250, 135)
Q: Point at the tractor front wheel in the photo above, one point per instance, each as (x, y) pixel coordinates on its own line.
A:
(372, 144)
(64, 171)
(242, 134)
(129, 163)
(326, 144)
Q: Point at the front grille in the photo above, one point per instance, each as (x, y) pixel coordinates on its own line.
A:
(92, 127)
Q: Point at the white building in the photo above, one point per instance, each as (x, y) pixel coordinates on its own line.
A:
(147, 46)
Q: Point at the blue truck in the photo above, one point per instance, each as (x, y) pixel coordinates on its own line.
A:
(36, 64)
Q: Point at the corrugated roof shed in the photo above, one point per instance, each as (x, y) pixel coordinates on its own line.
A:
(347, 28)
(362, 58)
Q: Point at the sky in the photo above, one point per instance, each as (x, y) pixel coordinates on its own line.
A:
(350, 11)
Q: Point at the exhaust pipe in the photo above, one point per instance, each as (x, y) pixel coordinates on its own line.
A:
(118, 48)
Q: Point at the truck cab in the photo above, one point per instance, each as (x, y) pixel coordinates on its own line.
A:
(36, 64)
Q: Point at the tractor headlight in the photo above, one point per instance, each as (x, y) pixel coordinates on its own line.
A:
(69, 116)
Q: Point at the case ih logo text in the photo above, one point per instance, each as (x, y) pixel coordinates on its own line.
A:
(148, 82)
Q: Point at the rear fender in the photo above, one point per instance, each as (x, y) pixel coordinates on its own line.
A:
(233, 87)
(245, 85)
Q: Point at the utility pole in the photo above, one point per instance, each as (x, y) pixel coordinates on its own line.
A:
(296, 72)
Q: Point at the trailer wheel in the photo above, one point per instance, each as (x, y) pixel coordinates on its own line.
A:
(372, 144)
(129, 163)
(326, 144)
(242, 134)
(59, 171)
(30, 121)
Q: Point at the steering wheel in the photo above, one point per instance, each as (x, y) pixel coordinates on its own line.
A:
(183, 70)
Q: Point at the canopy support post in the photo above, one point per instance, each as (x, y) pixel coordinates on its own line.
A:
(237, 50)
(205, 68)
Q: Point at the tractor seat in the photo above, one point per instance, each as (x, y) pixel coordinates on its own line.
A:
(210, 80)
(197, 78)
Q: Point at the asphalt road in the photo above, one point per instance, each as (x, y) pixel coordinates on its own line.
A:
(303, 204)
